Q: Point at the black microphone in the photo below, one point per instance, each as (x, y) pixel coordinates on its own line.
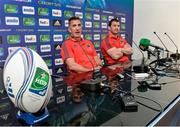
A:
(144, 42)
(140, 68)
(149, 51)
(177, 55)
(162, 43)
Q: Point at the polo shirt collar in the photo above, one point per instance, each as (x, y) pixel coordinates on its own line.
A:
(112, 36)
(74, 40)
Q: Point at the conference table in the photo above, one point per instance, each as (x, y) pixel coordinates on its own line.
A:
(96, 98)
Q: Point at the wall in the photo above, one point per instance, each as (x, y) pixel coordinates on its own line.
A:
(156, 15)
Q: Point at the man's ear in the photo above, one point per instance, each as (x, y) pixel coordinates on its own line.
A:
(109, 28)
(69, 30)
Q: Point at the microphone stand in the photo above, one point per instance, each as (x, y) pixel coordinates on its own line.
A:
(143, 60)
(177, 55)
(163, 44)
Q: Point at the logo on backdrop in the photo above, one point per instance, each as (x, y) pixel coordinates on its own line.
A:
(13, 39)
(43, 22)
(57, 47)
(12, 20)
(28, 10)
(1, 40)
(10, 8)
(30, 38)
(45, 48)
(57, 23)
(56, 13)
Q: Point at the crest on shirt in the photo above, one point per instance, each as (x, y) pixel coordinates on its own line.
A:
(75, 46)
(121, 41)
(114, 41)
(88, 45)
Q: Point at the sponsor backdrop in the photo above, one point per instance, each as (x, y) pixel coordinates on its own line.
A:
(42, 26)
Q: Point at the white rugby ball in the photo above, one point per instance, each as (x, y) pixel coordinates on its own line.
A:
(27, 80)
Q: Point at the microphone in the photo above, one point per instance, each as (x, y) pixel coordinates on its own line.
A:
(146, 43)
(140, 68)
(177, 55)
(167, 59)
(161, 41)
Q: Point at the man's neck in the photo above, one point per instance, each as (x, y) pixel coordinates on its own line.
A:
(114, 35)
(76, 38)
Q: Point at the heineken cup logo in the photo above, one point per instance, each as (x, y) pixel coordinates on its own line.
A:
(40, 82)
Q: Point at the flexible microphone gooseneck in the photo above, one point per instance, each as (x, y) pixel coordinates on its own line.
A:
(142, 68)
(162, 44)
(177, 55)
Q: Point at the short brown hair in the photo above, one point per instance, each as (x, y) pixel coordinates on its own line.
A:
(112, 20)
(74, 18)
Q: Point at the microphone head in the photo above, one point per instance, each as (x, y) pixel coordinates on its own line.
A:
(165, 33)
(154, 32)
(144, 42)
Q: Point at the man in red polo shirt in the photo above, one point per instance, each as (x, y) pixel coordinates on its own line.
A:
(114, 48)
(78, 54)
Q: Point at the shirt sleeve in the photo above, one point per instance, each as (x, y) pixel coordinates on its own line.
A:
(123, 41)
(93, 49)
(105, 45)
(66, 51)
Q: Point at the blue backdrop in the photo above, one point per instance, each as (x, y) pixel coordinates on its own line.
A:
(42, 25)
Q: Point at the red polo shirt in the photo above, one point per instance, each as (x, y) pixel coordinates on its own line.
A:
(82, 51)
(110, 42)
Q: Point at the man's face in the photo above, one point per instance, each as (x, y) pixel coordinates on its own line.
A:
(114, 28)
(75, 28)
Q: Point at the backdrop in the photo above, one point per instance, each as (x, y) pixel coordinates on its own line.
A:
(42, 25)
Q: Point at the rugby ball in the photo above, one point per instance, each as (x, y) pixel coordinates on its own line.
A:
(27, 80)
